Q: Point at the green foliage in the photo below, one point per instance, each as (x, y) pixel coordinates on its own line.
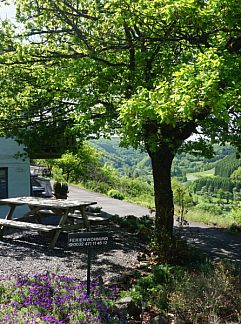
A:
(210, 208)
(172, 250)
(208, 297)
(235, 228)
(142, 226)
(182, 199)
(224, 220)
(128, 161)
(236, 175)
(108, 181)
(96, 186)
(154, 289)
(204, 293)
(68, 163)
(199, 147)
(236, 214)
(135, 163)
(172, 103)
(113, 193)
(200, 174)
(227, 166)
(104, 179)
(75, 167)
(213, 184)
(36, 115)
(57, 174)
(155, 71)
(190, 165)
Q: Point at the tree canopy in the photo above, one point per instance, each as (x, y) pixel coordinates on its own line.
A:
(155, 71)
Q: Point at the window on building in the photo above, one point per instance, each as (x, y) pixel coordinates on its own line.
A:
(3, 183)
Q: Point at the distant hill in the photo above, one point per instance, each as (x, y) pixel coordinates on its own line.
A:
(126, 160)
(135, 163)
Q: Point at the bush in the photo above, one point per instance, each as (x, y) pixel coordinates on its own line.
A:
(154, 289)
(135, 187)
(173, 250)
(204, 293)
(235, 228)
(210, 208)
(210, 296)
(97, 186)
(236, 213)
(115, 194)
(142, 226)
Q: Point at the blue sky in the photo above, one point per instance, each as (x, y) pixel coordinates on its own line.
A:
(6, 11)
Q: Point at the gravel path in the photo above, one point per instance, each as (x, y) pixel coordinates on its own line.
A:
(26, 252)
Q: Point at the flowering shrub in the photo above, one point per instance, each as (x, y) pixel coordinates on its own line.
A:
(54, 298)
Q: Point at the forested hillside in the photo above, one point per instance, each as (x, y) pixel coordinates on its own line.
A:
(134, 163)
(127, 161)
(226, 166)
(215, 184)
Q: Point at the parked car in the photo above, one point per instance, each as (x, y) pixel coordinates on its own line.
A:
(41, 187)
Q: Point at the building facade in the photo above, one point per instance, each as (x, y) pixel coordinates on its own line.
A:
(14, 171)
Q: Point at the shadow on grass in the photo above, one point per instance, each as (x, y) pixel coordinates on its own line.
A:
(215, 242)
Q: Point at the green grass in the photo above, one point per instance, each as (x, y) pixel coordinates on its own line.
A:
(196, 175)
(222, 220)
(143, 200)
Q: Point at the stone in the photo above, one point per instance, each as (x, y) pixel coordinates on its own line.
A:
(128, 306)
(142, 257)
(158, 320)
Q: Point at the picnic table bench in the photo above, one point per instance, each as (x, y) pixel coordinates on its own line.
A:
(30, 220)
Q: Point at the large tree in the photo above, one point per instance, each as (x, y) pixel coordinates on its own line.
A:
(156, 71)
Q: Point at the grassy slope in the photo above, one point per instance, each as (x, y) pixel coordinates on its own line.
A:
(196, 175)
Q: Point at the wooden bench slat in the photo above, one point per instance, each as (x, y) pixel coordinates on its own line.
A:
(92, 218)
(26, 225)
(72, 227)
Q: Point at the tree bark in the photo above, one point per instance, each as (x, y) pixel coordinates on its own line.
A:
(161, 167)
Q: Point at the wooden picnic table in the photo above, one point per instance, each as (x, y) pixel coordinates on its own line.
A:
(64, 208)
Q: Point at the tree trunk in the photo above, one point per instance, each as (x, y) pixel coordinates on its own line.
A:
(161, 168)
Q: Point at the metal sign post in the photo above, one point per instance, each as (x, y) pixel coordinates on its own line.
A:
(89, 240)
(88, 269)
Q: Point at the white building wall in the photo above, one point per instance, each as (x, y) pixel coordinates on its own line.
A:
(18, 171)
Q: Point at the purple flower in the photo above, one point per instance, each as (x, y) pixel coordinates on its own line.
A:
(54, 298)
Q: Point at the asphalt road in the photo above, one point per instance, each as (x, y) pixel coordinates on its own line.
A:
(109, 205)
(214, 241)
